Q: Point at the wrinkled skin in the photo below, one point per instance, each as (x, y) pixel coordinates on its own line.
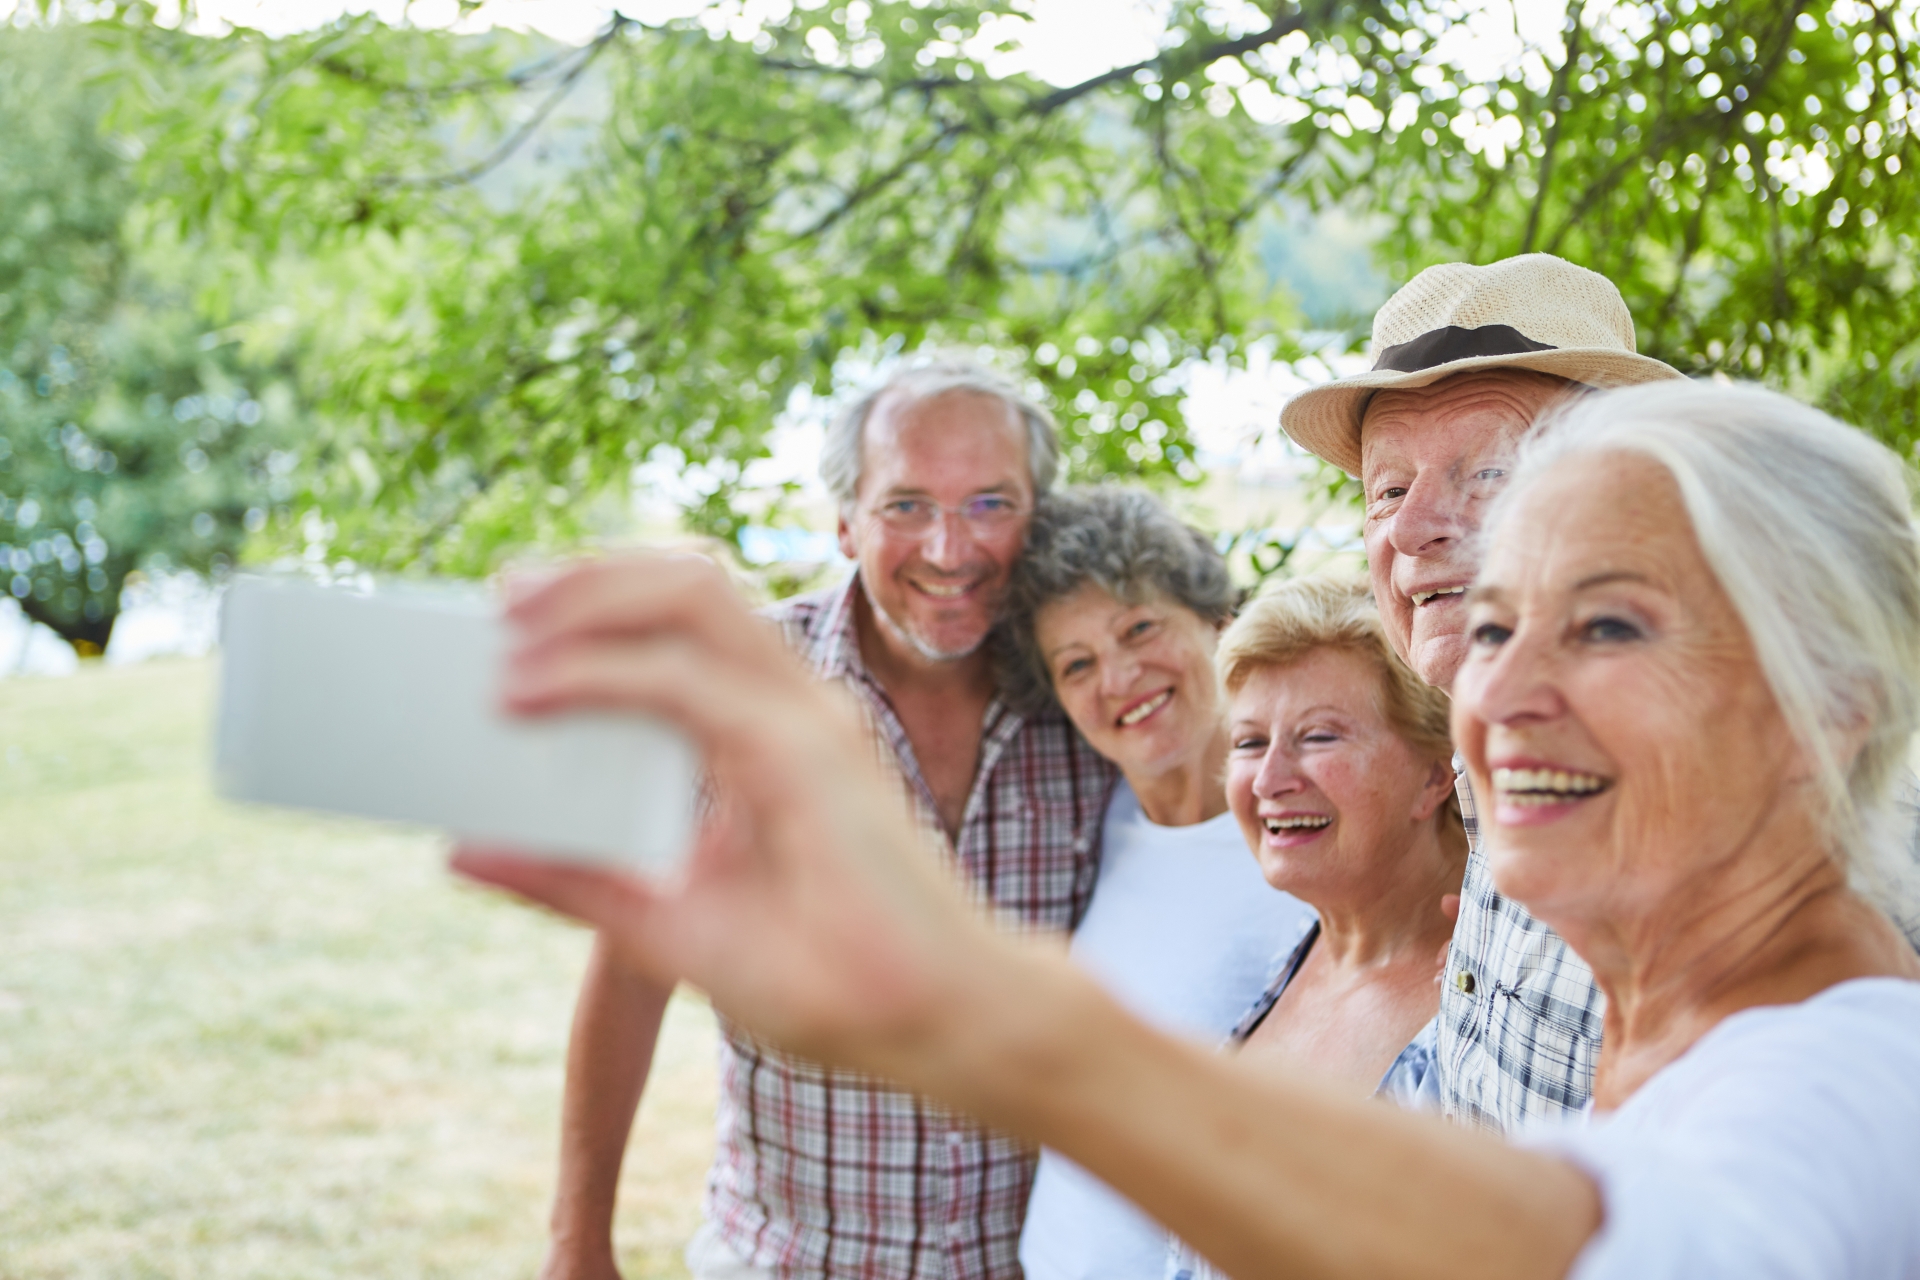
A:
(1693, 872)
(1137, 680)
(1430, 460)
(938, 595)
(1309, 739)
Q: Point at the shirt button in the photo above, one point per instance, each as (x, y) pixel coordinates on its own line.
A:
(1464, 981)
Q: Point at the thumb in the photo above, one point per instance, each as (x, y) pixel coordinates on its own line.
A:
(617, 904)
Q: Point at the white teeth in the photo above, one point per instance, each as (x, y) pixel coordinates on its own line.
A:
(1544, 786)
(1147, 708)
(944, 592)
(1297, 822)
(1421, 597)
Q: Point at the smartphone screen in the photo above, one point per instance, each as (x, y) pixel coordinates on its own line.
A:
(383, 702)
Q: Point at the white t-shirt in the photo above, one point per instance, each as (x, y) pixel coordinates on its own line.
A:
(1785, 1145)
(1184, 932)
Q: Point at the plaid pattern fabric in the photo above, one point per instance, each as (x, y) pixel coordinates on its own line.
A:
(1520, 1015)
(820, 1172)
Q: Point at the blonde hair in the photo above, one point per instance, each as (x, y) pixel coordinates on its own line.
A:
(1294, 619)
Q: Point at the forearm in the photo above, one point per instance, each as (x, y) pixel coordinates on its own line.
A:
(615, 1027)
(1265, 1174)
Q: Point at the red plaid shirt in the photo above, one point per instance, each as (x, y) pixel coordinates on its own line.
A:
(821, 1172)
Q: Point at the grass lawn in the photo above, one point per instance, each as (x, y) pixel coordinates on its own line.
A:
(246, 1043)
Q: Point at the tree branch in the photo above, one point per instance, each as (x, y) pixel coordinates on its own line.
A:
(1049, 103)
(1183, 58)
(519, 136)
(334, 65)
(1558, 91)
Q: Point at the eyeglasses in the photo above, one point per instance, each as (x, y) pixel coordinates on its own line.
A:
(984, 514)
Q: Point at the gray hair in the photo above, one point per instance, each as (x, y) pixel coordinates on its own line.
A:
(840, 456)
(1807, 525)
(1123, 541)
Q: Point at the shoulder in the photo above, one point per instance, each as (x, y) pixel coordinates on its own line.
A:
(806, 620)
(1048, 746)
(804, 611)
(1782, 1144)
(1861, 1038)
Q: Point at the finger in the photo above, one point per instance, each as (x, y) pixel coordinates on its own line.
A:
(633, 916)
(594, 896)
(742, 718)
(1450, 906)
(641, 595)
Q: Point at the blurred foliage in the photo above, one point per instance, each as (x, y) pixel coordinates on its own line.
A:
(763, 207)
(1739, 169)
(132, 434)
(1270, 551)
(752, 214)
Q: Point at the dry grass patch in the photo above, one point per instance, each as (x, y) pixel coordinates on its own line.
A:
(248, 1044)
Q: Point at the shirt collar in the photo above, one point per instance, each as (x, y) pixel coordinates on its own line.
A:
(834, 649)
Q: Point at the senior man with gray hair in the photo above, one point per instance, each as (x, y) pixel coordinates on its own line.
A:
(819, 1172)
(1467, 360)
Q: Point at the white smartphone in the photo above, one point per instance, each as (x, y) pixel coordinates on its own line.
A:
(384, 702)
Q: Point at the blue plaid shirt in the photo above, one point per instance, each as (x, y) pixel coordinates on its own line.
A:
(1520, 1014)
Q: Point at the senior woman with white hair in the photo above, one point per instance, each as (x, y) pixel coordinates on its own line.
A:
(1690, 692)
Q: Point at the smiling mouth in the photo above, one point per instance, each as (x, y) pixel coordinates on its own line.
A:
(944, 591)
(1136, 714)
(1421, 597)
(1533, 787)
(1297, 822)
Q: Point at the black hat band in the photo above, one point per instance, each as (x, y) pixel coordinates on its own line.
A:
(1443, 346)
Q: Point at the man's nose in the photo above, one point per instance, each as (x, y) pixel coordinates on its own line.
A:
(949, 544)
(1432, 515)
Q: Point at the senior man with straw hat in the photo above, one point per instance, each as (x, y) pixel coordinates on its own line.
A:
(1467, 360)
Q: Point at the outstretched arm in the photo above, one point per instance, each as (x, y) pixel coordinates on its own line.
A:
(616, 1024)
(809, 914)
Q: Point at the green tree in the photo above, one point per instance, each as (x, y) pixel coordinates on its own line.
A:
(753, 213)
(129, 437)
(760, 203)
(1735, 167)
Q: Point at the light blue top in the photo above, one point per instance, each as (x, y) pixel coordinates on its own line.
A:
(1410, 1081)
(1182, 930)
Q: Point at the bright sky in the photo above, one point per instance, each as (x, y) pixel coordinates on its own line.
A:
(1063, 41)
(1067, 40)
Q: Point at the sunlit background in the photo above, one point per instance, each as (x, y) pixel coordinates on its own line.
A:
(1232, 411)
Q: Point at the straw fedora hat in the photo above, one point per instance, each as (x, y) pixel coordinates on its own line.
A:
(1535, 311)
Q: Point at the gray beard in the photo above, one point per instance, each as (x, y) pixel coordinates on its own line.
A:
(919, 646)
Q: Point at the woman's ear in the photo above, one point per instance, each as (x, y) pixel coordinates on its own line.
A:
(1435, 791)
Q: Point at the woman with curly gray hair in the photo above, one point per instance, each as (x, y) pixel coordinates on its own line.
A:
(1115, 611)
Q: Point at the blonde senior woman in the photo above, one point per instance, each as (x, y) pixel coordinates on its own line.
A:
(1689, 692)
(1339, 773)
(1114, 614)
